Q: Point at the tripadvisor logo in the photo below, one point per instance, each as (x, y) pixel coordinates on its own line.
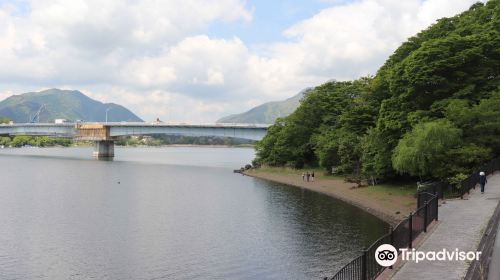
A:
(386, 255)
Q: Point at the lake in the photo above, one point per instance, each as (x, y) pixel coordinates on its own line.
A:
(166, 213)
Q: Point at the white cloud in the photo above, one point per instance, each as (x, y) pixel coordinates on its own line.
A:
(152, 56)
(354, 39)
(81, 41)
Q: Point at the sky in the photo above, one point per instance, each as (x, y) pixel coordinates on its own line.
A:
(199, 60)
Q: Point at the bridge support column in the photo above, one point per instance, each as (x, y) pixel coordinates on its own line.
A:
(104, 149)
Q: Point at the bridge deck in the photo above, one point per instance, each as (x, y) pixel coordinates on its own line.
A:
(114, 129)
(141, 124)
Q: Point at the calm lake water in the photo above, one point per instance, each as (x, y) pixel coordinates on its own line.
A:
(166, 213)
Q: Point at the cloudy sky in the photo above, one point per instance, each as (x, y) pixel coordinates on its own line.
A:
(199, 60)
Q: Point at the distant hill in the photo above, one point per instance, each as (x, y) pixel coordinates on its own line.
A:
(62, 104)
(267, 112)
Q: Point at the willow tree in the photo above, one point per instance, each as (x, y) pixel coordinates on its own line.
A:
(422, 151)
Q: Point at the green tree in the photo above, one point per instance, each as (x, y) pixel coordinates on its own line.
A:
(304, 137)
(19, 141)
(5, 141)
(423, 150)
(376, 155)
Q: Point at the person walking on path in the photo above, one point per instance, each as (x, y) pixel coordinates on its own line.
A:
(312, 176)
(482, 180)
(307, 176)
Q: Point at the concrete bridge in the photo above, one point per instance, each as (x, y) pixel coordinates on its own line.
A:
(104, 134)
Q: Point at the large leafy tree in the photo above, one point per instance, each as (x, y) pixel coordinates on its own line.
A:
(293, 140)
(421, 151)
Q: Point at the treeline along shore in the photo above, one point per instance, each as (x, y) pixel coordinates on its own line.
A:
(431, 112)
(129, 141)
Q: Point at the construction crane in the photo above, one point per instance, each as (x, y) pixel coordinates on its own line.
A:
(37, 114)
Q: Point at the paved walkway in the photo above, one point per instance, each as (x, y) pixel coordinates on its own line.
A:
(461, 226)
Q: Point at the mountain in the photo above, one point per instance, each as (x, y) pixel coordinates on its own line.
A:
(267, 112)
(62, 104)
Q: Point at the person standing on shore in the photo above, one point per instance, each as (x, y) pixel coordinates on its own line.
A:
(482, 180)
(307, 176)
(303, 176)
(312, 176)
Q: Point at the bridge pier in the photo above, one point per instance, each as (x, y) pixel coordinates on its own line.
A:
(104, 149)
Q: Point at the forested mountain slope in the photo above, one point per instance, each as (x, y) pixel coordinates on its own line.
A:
(432, 110)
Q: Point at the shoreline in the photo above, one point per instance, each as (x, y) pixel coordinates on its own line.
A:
(138, 146)
(383, 208)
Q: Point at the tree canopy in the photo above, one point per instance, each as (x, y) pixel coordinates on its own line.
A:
(435, 99)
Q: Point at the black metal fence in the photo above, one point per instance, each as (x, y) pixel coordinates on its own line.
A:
(372, 267)
(365, 267)
(353, 270)
(443, 189)
(471, 182)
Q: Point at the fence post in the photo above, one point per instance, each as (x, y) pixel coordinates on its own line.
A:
(410, 226)
(363, 267)
(391, 230)
(437, 208)
(418, 199)
(392, 240)
(426, 209)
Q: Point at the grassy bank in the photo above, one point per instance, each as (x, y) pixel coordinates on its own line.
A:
(390, 202)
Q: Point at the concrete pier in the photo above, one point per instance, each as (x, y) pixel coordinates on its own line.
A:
(104, 149)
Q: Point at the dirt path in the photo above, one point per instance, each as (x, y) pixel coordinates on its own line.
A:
(391, 208)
